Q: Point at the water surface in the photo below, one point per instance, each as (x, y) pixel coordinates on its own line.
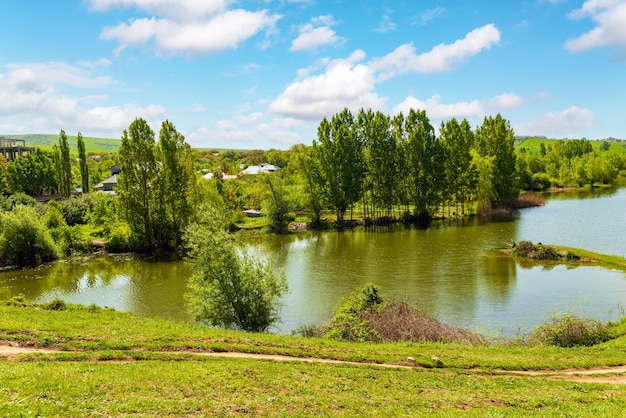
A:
(447, 269)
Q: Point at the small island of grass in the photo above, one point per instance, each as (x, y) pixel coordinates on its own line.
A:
(563, 254)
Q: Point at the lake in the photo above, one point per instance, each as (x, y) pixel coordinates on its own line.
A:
(447, 269)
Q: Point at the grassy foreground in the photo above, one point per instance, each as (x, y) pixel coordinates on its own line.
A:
(113, 364)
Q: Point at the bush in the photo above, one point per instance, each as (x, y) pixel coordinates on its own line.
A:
(74, 210)
(571, 331)
(230, 288)
(119, 239)
(540, 182)
(55, 305)
(365, 316)
(24, 240)
(538, 252)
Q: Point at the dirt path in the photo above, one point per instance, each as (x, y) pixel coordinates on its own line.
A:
(612, 375)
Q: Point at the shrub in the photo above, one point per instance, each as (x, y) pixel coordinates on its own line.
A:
(230, 288)
(538, 252)
(75, 209)
(55, 305)
(540, 182)
(365, 316)
(24, 240)
(119, 239)
(570, 331)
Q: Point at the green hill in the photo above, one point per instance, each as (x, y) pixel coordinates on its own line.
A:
(46, 141)
(533, 145)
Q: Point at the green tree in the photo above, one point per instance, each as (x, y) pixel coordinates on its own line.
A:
(309, 169)
(82, 160)
(137, 181)
(381, 158)
(496, 138)
(277, 203)
(485, 189)
(63, 165)
(340, 157)
(461, 176)
(33, 173)
(425, 162)
(176, 193)
(230, 288)
(24, 239)
(4, 176)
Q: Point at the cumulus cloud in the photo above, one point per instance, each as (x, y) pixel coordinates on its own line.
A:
(345, 83)
(441, 58)
(567, 123)
(188, 25)
(315, 34)
(30, 101)
(473, 109)
(610, 30)
(350, 82)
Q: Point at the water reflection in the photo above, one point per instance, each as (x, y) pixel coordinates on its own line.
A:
(447, 269)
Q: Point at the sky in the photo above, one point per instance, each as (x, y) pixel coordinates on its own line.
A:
(260, 74)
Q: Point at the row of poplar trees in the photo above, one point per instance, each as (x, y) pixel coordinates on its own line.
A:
(156, 185)
(63, 166)
(399, 163)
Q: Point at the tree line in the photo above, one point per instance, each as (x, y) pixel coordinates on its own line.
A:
(398, 164)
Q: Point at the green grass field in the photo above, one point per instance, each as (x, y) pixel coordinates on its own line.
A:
(534, 145)
(118, 364)
(48, 141)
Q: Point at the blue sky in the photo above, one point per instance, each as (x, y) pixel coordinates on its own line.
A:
(263, 73)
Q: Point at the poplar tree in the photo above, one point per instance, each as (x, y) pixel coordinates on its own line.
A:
(137, 181)
(63, 165)
(177, 186)
(496, 139)
(425, 163)
(82, 160)
(341, 162)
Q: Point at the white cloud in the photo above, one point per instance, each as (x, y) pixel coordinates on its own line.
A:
(56, 72)
(30, 101)
(441, 58)
(567, 123)
(350, 82)
(386, 25)
(345, 83)
(179, 10)
(429, 15)
(475, 109)
(315, 34)
(610, 17)
(192, 26)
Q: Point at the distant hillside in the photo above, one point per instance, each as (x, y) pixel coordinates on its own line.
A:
(46, 141)
(534, 144)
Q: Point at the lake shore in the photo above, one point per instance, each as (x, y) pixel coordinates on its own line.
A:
(103, 362)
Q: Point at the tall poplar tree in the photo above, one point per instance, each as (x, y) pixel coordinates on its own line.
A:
(341, 161)
(495, 138)
(82, 160)
(176, 186)
(425, 163)
(63, 165)
(137, 181)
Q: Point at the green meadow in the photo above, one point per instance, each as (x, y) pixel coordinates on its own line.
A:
(107, 363)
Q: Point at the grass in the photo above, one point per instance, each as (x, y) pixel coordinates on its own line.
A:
(116, 364)
(579, 257)
(534, 145)
(47, 141)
